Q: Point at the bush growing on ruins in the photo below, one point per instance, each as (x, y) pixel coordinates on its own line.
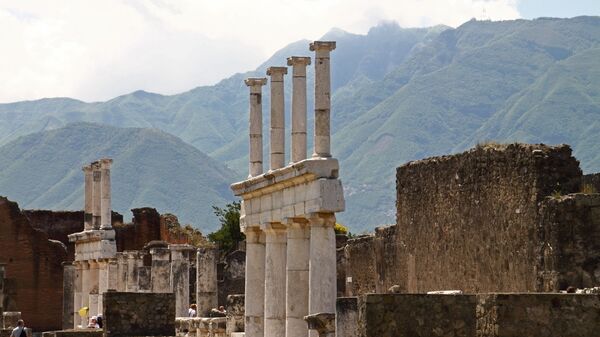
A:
(229, 235)
(340, 229)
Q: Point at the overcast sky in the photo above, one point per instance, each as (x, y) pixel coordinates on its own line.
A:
(96, 50)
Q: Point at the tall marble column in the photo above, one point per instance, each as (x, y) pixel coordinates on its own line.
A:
(255, 282)
(206, 280)
(256, 144)
(105, 207)
(94, 277)
(322, 51)
(322, 265)
(275, 279)
(277, 143)
(88, 196)
(298, 148)
(96, 195)
(298, 250)
(161, 270)
(180, 278)
(77, 292)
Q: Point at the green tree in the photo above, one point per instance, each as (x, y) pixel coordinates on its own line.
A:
(229, 235)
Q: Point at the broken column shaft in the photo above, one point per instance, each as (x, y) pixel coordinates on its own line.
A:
(298, 148)
(277, 143)
(322, 51)
(256, 144)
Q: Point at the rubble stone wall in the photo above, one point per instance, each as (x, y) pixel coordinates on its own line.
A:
(139, 314)
(231, 276)
(470, 221)
(538, 315)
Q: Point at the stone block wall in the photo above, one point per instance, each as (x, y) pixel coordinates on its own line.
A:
(231, 275)
(570, 232)
(139, 314)
(538, 315)
(416, 315)
(470, 221)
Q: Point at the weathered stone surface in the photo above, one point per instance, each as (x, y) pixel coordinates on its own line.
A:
(231, 275)
(346, 317)
(235, 313)
(33, 264)
(416, 315)
(139, 314)
(538, 315)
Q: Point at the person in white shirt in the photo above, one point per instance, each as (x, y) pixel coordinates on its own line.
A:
(192, 311)
(19, 331)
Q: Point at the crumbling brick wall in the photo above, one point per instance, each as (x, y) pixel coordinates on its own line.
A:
(33, 269)
(470, 221)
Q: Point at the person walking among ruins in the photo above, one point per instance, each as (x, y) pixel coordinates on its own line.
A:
(192, 310)
(19, 331)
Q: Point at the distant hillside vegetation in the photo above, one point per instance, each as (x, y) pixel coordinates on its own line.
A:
(151, 168)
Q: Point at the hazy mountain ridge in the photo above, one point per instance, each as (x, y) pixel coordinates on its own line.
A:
(398, 95)
(151, 168)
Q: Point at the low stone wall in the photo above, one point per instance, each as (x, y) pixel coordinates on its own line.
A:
(74, 333)
(139, 314)
(201, 326)
(538, 315)
(416, 315)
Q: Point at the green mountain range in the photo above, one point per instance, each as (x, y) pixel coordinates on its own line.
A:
(398, 95)
(150, 168)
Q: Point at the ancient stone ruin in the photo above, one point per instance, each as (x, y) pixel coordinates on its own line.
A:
(288, 212)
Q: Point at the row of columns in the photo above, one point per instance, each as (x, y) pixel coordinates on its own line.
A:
(322, 141)
(92, 278)
(97, 198)
(290, 273)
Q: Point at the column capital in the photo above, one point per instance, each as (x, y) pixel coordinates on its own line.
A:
(322, 45)
(322, 219)
(105, 163)
(275, 71)
(273, 227)
(255, 81)
(87, 168)
(296, 222)
(298, 61)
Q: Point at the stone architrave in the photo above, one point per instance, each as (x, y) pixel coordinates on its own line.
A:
(180, 277)
(298, 148)
(161, 270)
(206, 280)
(256, 144)
(322, 141)
(255, 282)
(277, 144)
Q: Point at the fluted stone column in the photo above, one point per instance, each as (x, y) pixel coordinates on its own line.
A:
(275, 279)
(298, 251)
(122, 267)
(322, 142)
(105, 207)
(256, 147)
(206, 280)
(255, 282)
(102, 282)
(77, 292)
(94, 277)
(277, 143)
(69, 276)
(322, 270)
(161, 270)
(88, 196)
(180, 278)
(96, 195)
(298, 148)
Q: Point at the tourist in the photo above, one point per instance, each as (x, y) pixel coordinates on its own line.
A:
(220, 312)
(192, 310)
(19, 331)
(99, 321)
(93, 324)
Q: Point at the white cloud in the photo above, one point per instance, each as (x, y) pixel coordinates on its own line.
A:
(98, 49)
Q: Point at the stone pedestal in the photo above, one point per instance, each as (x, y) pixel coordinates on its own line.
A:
(298, 250)
(298, 148)
(255, 282)
(322, 50)
(275, 279)
(256, 146)
(322, 273)
(161, 270)
(180, 277)
(206, 280)
(277, 144)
